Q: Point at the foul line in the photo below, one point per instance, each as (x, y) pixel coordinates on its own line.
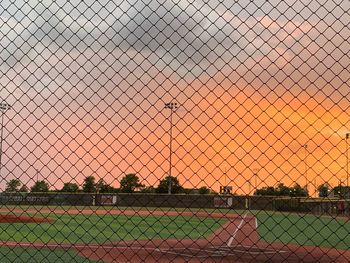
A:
(249, 247)
(74, 246)
(216, 252)
(229, 243)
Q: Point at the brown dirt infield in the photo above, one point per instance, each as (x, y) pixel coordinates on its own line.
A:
(236, 241)
(23, 219)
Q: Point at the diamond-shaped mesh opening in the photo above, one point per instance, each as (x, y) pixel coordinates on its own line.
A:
(167, 131)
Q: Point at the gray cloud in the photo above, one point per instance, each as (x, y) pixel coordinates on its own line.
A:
(187, 37)
(181, 33)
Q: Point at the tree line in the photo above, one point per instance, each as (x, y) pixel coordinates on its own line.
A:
(130, 183)
(283, 190)
(323, 190)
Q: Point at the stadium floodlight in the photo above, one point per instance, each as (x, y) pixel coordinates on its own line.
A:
(3, 108)
(172, 106)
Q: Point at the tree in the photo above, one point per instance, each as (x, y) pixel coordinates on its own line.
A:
(89, 185)
(129, 183)
(298, 191)
(341, 191)
(204, 190)
(13, 185)
(148, 190)
(282, 190)
(323, 190)
(24, 189)
(70, 188)
(164, 185)
(266, 190)
(103, 187)
(40, 186)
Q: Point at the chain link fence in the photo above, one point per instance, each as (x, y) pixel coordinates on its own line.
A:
(174, 131)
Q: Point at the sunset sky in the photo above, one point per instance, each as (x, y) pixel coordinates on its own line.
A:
(256, 81)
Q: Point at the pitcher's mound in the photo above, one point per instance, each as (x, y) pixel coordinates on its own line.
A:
(23, 219)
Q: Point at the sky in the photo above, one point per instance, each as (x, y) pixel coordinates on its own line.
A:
(256, 81)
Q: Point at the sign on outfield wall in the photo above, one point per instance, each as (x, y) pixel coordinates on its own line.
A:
(222, 201)
(108, 199)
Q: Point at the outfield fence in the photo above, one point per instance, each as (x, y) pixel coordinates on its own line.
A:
(139, 200)
(313, 206)
(174, 131)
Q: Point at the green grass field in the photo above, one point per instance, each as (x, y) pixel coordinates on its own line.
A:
(97, 229)
(304, 229)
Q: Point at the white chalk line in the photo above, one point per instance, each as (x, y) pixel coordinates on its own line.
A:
(250, 247)
(218, 252)
(75, 246)
(237, 229)
(210, 251)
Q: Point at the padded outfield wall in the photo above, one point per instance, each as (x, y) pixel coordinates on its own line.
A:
(269, 203)
(139, 200)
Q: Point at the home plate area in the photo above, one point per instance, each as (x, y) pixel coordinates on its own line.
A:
(236, 241)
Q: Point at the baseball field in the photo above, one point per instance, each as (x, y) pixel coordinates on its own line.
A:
(110, 234)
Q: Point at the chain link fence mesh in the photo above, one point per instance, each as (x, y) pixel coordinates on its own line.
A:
(174, 131)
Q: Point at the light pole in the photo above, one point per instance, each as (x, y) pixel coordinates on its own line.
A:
(347, 135)
(225, 176)
(306, 179)
(172, 106)
(3, 108)
(37, 175)
(255, 171)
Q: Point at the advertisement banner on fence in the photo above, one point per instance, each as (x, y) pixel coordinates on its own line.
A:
(222, 201)
(108, 199)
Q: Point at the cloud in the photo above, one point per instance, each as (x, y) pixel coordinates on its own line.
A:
(13, 41)
(182, 33)
(186, 38)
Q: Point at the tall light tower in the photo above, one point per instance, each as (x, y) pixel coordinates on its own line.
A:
(306, 168)
(3, 108)
(172, 106)
(347, 136)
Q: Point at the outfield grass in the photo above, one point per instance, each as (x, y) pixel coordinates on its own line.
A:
(97, 229)
(32, 255)
(304, 229)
